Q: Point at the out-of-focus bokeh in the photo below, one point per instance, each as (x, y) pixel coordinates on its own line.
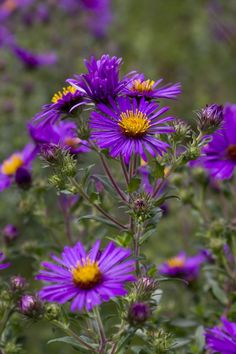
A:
(42, 43)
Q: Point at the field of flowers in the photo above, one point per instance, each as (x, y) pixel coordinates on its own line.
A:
(117, 177)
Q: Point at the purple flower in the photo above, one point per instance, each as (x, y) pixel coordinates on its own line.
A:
(10, 167)
(140, 87)
(18, 283)
(219, 156)
(63, 134)
(102, 80)
(34, 61)
(30, 305)
(182, 266)
(139, 312)
(130, 127)
(210, 118)
(10, 233)
(63, 102)
(87, 278)
(222, 339)
(3, 265)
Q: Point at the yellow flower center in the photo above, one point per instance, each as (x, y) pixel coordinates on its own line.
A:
(87, 274)
(72, 142)
(60, 94)
(134, 124)
(176, 262)
(142, 86)
(11, 165)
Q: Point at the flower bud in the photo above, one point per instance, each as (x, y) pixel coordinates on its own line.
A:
(30, 306)
(182, 130)
(139, 312)
(10, 233)
(23, 178)
(18, 283)
(52, 312)
(210, 118)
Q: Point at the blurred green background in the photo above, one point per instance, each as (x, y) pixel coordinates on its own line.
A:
(187, 41)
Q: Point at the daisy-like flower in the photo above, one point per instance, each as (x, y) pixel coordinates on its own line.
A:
(222, 339)
(2, 259)
(182, 266)
(87, 279)
(130, 127)
(140, 87)
(63, 134)
(62, 104)
(102, 80)
(16, 166)
(219, 156)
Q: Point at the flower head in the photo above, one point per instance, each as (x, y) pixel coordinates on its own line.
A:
(139, 312)
(63, 134)
(62, 103)
(210, 118)
(130, 127)
(30, 305)
(13, 165)
(34, 61)
(219, 156)
(102, 80)
(182, 266)
(222, 339)
(18, 283)
(87, 278)
(2, 258)
(10, 233)
(140, 87)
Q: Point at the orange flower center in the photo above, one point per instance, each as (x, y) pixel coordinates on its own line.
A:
(176, 262)
(134, 124)
(11, 165)
(87, 274)
(142, 86)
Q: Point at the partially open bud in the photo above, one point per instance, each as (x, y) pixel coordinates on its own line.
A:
(23, 178)
(139, 312)
(30, 306)
(210, 118)
(10, 233)
(18, 283)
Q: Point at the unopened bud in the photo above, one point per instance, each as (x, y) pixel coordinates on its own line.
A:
(210, 118)
(139, 312)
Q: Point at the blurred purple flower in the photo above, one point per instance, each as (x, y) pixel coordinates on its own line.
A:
(63, 134)
(10, 233)
(219, 156)
(34, 61)
(10, 166)
(2, 259)
(221, 339)
(182, 266)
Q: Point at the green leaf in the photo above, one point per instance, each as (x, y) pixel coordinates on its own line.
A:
(99, 219)
(71, 341)
(134, 184)
(200, 338)
(219, 293)
(147, 234)
(157, 169)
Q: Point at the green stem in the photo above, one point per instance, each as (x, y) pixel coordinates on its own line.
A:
(101, 210)
(101, 330)
(71, 333)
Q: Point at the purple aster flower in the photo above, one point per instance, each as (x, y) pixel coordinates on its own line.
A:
(222, 339)
(139, 312)
(87, 279)
(10, 167)
(63, 102)
(182, 266)
(210, 118)
(140, 87)
(3, 265)
(63, 134)
(102, 80)
(18, 283)
(219, 156)
(10, 233)
(130, 127)
(32, 60)
(98, 15)
(30, 305)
